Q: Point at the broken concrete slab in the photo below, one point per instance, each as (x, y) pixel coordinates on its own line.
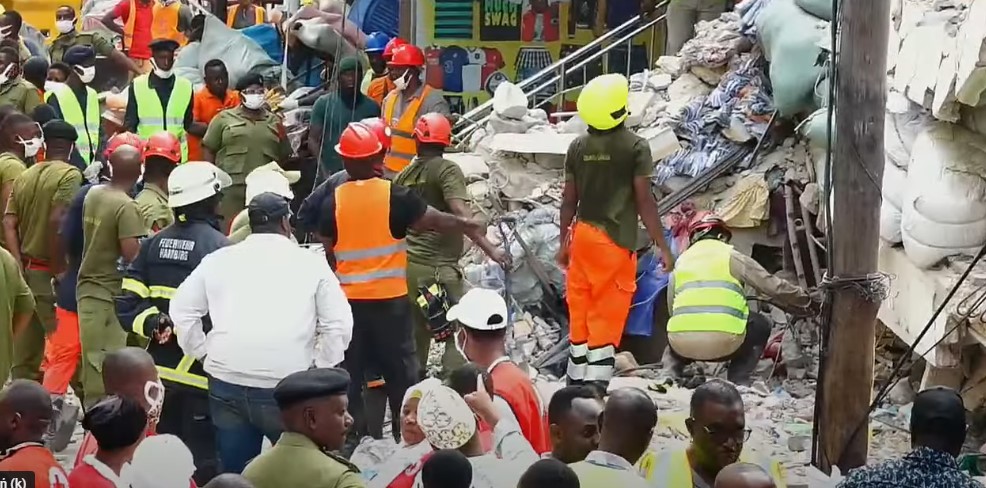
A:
(662, 140)
(637, 103)
(533, 143)
(471, 164)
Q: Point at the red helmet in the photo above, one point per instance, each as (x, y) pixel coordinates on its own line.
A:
(407, 55)
(388, 50)
(165, 145)
(358, 142)
(379, 127)
(121, 139)
(706, 225)
(433, 127)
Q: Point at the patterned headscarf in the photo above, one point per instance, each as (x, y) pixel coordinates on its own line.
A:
(419, 390)
(445, 418)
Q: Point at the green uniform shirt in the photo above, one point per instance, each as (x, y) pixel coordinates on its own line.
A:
(15, 298)
(330, 116)
(436, 180)
(603, 167)
(108, 216)
(36, 191)
(21, 95)
(242, 144)
(62, 43)
(153, 205)
(11, 167)
(296, 461)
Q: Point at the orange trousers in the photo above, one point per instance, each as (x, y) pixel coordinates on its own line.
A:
(62, 352)
(600, 286)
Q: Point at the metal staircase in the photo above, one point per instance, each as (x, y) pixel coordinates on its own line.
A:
(537, 87)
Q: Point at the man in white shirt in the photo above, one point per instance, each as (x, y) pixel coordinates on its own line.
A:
(275, 309)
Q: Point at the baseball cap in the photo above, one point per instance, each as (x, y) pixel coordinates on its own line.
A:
(267, 207)
(936, 406)
(480, 309)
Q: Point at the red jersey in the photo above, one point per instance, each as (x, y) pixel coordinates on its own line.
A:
(94, 474)
(34, 457)
(89, 447)
(140, 48)
(511, 383)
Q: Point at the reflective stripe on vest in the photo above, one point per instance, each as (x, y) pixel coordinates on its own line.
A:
(402, 146)
(370, 263)
(181, 374)
(154, 118)
(707, 298)
(86, 125)
(163, 26)
(672, 469)
(235, 10)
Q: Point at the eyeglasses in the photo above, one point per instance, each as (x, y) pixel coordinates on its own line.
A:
(724, 436)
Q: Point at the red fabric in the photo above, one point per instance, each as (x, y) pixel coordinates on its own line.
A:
(485, 436)
(40, 461)
(140, 49)
(86, 476)
(89, 446)
(550, 33)
(434, 73)
(494, 62)
(406, 478)
(511, 383)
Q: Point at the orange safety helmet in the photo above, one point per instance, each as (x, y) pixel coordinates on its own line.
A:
(434, 128)
(165, 145)
(358, 141)
(407, 55)
(122, 139)
(379, 127)
(708, 225)
(388, 50)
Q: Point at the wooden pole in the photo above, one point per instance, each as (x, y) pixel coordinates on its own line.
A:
(857, 175)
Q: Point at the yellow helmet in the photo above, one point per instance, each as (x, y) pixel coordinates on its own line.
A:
(603, 101)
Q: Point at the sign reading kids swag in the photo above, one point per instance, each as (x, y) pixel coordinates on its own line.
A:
(499, 20)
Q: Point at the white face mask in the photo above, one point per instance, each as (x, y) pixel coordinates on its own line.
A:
(51, 86)
(5, 31)
(86, 73)
(31, 146)
(401, 83)
(461, 347)
(5, 76)
(65, 26)
(161, 73)
(253, 101)
(154, 394)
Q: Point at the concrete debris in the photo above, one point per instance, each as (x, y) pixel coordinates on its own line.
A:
(509, 101)
(715, 42)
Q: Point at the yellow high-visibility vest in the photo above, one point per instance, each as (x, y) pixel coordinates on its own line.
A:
(671, 469)
(85, 124)
(154, 118)
(707, 298)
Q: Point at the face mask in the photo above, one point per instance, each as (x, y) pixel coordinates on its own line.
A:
(460, 344)
(401, 83)
(5, 31)
(65, 26)
(161, 73)
(154, 394)
(86, 73)
(5, 76)
(32, 146)
(253, 101)
(51, 86)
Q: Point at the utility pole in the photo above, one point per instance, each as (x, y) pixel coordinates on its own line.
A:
(857, 176)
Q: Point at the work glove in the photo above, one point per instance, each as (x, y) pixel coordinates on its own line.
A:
(91, 173)
(288, 104)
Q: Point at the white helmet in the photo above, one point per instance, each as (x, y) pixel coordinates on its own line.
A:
(267, 181)
(195, 181)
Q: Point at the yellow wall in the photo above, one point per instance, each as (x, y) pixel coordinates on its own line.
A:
(40, 14)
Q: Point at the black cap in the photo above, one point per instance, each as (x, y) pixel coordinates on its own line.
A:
(164, 45)
(58, 129)
(268, 207)
(310, 384)
(80, 54)
(937, 404)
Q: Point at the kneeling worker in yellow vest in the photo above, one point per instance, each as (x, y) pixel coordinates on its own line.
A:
(78, 104)
(160, 100)
(710, 318)
(718, 429)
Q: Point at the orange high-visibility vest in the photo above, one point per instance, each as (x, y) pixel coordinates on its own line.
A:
(163, 26)
(402, 147)
(370, 263)
(235, 10)
(379, 88)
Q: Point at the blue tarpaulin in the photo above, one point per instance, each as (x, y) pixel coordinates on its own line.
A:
(651, 279)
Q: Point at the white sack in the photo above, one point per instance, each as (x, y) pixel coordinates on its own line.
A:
(900, 131)
(925, 256)
(890, 223)
(509, 101)
(945, 176)
(940, 234)
(894, 184)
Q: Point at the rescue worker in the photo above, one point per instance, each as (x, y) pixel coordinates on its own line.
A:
(35, 72)
(243, 139)
(25, 410)
(433, 258)
(313, 409)
(162, 154)
(380, 86)
(333, 112)
(112, 226)
(69, 36)
(77, 103)
(21, 141)
(208, 101)
(410, 99)
(718, 428)
(16, 309)
(265, 179)
(39, 200)
(164, 261)
(376, 43)
(245, 14)
(14, 90)
(160, 100)
(607, 185)
(626, 427)
(710, 318)
(482, 316)
(147, 21)
(362, 229)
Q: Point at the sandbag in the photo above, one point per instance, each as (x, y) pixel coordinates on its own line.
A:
(945, 175)
(509, 101)
(240, 54)
(819, 8)
(894, 184)
(925, 256)
(904, 121)
(790, 38)
(940, 234)
(890, 217)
